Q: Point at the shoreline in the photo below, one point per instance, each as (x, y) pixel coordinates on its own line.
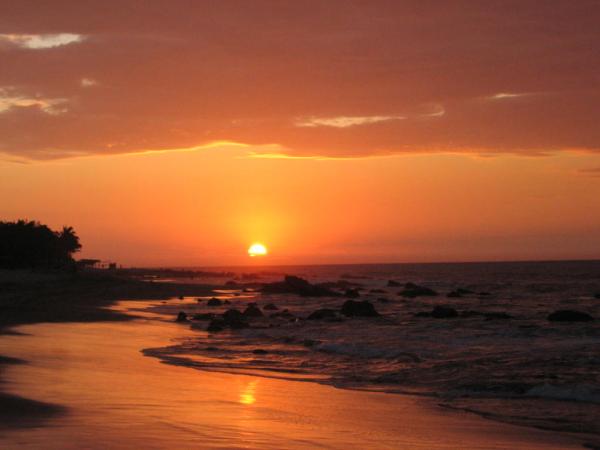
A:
(227, 409)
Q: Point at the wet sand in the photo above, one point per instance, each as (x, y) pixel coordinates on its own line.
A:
(114, 397)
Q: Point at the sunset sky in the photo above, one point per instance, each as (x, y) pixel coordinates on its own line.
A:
(178, 133)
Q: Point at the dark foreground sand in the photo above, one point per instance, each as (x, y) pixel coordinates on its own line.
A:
(113, 397)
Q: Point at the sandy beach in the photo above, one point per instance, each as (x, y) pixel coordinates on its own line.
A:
(108, 395)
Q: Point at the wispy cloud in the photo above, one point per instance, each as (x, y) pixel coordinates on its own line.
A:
(88, 82)
(508, 95)
(9, 99)
(41, 41)
(343, 121)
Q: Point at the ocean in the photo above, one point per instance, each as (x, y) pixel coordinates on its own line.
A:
(499, 356)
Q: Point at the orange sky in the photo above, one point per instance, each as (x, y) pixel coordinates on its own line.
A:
(368, 131)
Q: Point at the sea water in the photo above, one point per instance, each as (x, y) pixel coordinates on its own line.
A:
(517, 367)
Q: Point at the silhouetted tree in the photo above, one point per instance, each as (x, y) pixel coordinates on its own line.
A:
(29, 244)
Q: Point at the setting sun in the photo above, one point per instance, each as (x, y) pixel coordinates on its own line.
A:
(257, 249)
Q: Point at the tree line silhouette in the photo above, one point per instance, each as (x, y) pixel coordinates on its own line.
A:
(31, 245)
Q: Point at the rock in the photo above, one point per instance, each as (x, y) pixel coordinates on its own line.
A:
(270, 307)
(260, 351)
(234, 319)
(296, 285)
(569, 315)
(340, 284)
(181, 297)
(310, 342)
(352, 308)
(597, 296)
(383, 300)
(352, 293)
(463, 291)
(322, 314)
(203, 316)
(412, 290)
(377, 291)
(439, 312)
(443, 312)
(454, 294)
(392, 283)
(252, 311)
(181, 317)
(285, 314)
(497, 315)
(231, 284)
(226, 302)
(484, 294)
(216, 325)
(232, 315)
(470, 313)
(214, 302)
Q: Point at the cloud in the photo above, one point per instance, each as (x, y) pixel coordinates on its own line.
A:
(40, 41)
(9, 99)
(336, 79)
(88, 82)
(343, 121)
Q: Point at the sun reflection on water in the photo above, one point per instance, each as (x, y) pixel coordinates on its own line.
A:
(247, 396)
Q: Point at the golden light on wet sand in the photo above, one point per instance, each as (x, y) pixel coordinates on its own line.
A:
(257, 249)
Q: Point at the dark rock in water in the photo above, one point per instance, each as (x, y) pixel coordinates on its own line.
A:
(352, 308)
(340, 284)
(454, 294)
(260, 351)
(484, 294)
(234, 319)
(214, 302)
(352, 293)
(497, 315)
(226, 302)
(488, 315)
(310, 342)
(181, 297)
(597, 296)
(296, 285)
(231, 283)
(252, 311)
(569, 315)
(232, 314)
(412, 290)
(181, 317)
(383, 300)
(443, 312)
(203, 316)
(270, 307)
(216, 325)
(285, 314)
(463, 291)
(392, 283)
(377, 291)
(322, 314)
(439, 312)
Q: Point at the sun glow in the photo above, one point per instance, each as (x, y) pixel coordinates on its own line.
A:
(257, 249)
